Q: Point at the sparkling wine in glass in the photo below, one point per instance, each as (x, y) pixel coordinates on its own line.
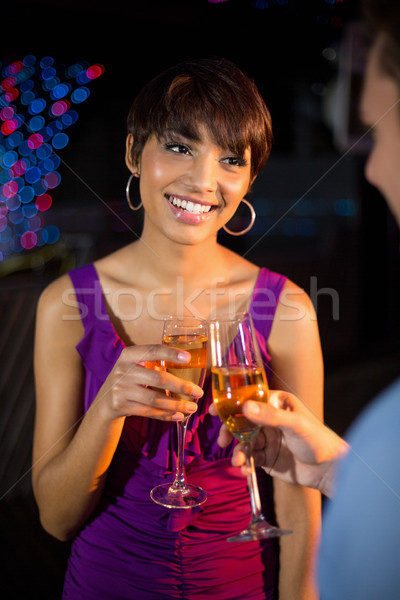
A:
(238, 375)
(189, 334)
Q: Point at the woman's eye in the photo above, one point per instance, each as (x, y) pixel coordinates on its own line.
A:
(236, 161)
(178, 148)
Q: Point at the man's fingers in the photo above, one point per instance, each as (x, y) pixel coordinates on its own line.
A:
(225, 437)
(238, 458)
(263, 414)
(212, 410)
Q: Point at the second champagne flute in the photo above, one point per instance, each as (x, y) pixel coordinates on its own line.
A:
(238, 375)
(189, 334)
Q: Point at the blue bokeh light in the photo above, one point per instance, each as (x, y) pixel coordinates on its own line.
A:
(60, 91)
(60, 140)
(37, 106)
(36, 123)
(80, 95)
(30, 138)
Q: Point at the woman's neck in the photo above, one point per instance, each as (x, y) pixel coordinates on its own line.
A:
(169, 259)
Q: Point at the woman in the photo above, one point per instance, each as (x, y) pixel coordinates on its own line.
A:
(197, 137)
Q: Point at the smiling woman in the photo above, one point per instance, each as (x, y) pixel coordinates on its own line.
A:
(186, 181)
(198, 134)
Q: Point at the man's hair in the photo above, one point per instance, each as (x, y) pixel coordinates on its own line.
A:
(383, 17)
(210, 93)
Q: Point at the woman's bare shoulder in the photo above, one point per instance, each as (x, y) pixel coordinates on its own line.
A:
(295, 303)
(53, 294)
(58, 309)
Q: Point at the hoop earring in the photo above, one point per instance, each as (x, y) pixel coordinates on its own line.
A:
(127, 192)
(253, 218)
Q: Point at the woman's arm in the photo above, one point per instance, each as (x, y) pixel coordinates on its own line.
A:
(296, 366)
(72, 450)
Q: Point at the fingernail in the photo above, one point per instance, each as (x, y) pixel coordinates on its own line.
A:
(177, 417)
(197, 392)
(190, 407)
(184, 356)
(253, 408)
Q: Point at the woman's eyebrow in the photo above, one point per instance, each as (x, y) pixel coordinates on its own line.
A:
(171, 133)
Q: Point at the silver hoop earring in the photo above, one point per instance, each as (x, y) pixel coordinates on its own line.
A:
(127, 192)
(252, 219)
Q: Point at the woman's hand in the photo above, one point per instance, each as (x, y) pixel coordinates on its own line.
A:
(138, 385)
(293, 444)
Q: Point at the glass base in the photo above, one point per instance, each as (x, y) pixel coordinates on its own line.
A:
(259, 530)
(170, 496)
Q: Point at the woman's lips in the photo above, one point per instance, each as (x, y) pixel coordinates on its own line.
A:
(189, 211)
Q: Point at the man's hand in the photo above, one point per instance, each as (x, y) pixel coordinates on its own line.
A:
(293, 444)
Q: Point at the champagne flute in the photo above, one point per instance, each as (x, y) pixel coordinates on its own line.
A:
(238, 375)
(190, 334)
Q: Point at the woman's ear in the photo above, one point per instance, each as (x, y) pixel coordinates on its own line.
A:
(251, 184)
(128, 154)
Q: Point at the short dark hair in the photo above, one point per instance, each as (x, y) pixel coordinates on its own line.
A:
(211, 92)
(383, 17)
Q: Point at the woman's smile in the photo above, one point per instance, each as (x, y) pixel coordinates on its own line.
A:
(188, 210)
(189, 205)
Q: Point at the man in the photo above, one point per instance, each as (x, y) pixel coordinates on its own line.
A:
(360, 547)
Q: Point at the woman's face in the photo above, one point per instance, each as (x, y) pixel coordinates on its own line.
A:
(380, 110)
(190, 188)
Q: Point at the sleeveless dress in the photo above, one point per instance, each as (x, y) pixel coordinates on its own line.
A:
(133, 549)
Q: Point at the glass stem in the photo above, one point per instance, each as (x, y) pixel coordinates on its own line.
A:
(180, 479)
(256, 514)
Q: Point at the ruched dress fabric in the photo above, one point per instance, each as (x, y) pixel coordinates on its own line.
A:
(133, 549)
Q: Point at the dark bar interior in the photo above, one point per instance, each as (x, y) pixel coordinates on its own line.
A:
(318, 221)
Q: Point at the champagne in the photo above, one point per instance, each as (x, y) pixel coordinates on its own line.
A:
(232, 387)
(195, 369)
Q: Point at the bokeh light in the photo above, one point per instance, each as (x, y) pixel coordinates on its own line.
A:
(28, 240)
(94, 71)
(35, 111)
(43, 202)
(80, 94)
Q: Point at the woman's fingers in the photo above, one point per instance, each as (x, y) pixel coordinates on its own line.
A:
(157, 399)
(141, 386)
(137, 361)
(156, 353)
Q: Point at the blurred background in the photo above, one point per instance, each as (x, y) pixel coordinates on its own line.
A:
(69, 72)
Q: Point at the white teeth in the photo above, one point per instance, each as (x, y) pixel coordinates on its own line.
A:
(189, 206)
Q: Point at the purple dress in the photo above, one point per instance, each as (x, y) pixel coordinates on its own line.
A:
(133, 549)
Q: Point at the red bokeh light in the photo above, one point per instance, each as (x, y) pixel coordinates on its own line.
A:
(35, 141)
(43, 202)
(7, 113)
(11, 94)
(10, 126)
(60, 107)
(19, 168)
(51, 180)
(8, 83)
(28, 240)
(15, 67)
(94, 71)
(10, 189)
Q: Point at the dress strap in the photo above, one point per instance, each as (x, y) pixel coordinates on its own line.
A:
(89, 295)
(265, 299)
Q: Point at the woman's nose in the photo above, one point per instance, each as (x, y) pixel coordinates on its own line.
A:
(202, 174)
